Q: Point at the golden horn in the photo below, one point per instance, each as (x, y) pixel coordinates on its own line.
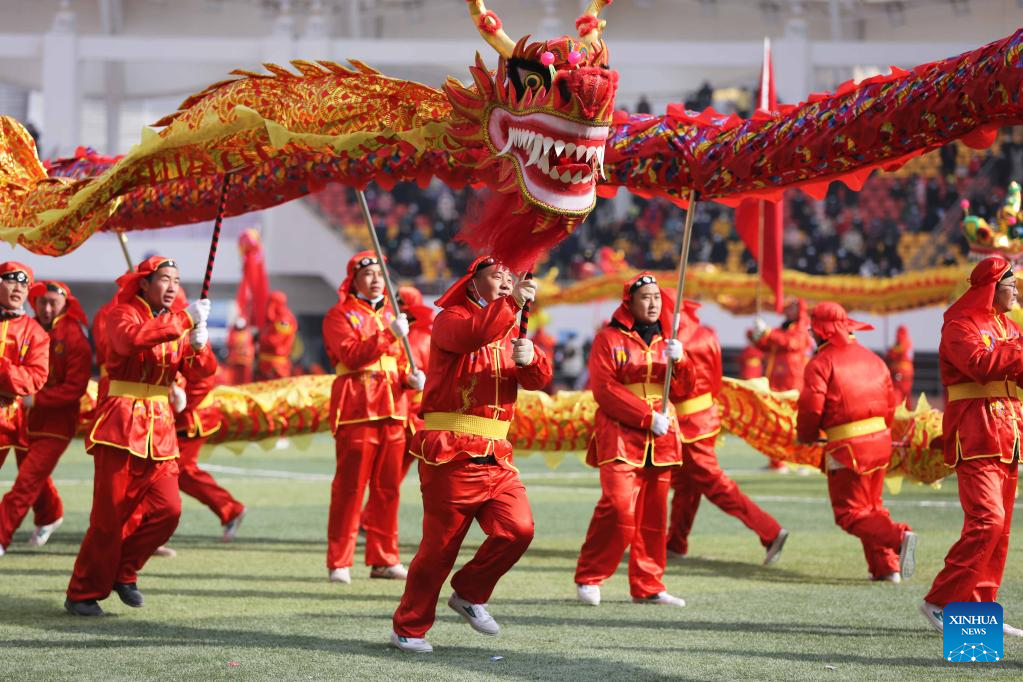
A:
(498, 39)
(593, 10)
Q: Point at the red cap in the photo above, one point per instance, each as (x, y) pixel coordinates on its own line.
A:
(129, 283)
(456, 292)
(830, 322)
(72, 308)
(412, 299)
(361, 260)
(980, 297)
(14, 266)
(276, 306)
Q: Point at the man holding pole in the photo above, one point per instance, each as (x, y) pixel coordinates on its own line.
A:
(635, 444)
(477, 362)
(368, 409)
(132, 441)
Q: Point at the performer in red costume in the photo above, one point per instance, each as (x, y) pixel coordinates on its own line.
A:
(132, 441)
(277, 338)
(900, 364)
(847, 393)
(981, 359)
(786, 350)
(24, 365)
(368, 413)
(634, 445)
(241, 352)
(477, 363)
(700, 474)
(195, 422)
(52, 412)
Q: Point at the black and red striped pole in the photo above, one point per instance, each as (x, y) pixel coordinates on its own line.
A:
(208, 279)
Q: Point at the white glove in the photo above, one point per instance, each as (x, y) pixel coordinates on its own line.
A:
(400, 326)
(523, 352)
(659, 425)
(524, 291)
(28, 401)
(199, 336)
(674, 350)
(199, 311)
(178, 399)
(760, 328)
(416, 380)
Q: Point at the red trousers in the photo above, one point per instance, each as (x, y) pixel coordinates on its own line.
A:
(974, 565)
(701, 476)
(32, 487)
(632, 511)
(860, 511)
(122, 484)
(199, 484)
(368, 453)
(453, 495)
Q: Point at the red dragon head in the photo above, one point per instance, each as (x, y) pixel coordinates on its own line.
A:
(539, 124)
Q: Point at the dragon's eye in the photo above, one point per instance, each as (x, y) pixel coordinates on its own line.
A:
(528, 75)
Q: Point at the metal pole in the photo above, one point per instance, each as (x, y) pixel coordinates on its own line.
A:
(124, 249)
(388, 286)
(683, 260)
(215, 239)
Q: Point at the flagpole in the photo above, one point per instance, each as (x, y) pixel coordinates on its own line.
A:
(123, 241)
(760, 255)
(683, 259)
(388, 285)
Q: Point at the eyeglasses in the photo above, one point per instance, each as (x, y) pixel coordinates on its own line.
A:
(18, 276)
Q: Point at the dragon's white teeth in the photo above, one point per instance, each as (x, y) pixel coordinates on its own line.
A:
(547, 144)
(535, 152)
(569, 149)
(559, 146)
(544, 165)
(578, 177)
(507, 146)
(530, 138)
(554, 174)
(566, 177)
(590, 151)
(580, 152)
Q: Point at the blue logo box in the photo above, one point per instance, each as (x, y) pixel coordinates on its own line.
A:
(972, 632)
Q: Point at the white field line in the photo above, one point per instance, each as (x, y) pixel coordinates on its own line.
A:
(237, 473)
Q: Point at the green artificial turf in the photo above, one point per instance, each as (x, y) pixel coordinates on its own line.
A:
(261, 608)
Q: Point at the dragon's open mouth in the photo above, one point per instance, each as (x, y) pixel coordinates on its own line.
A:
(558, 160)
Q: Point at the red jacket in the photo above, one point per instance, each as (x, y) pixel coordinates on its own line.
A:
(152, 350)
(846, 384)
(277, 337)
(980, 348)
(697, 414)
(620, 359)
(369, 362)
(99, 332)
(55, 408)
(787, 349)
(900, 364)
(751, 363)
(24, 365)
(241, 349)
(472, 373)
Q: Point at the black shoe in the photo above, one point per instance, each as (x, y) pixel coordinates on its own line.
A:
(129, 594)
(86, 607)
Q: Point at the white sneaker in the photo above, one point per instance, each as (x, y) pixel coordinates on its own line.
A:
(933, 616)
(588, 594)
(231, 527)
(775, 548)
(2, 551)
(661, 599)
(907, 554)
(165, 551)
(395, 572)
(43, 533)
(1011, 631)
(890, 578)
(340, 575)
(475, 615)
(413, 645)
(676, 557)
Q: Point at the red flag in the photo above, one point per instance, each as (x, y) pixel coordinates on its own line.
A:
(748, 212)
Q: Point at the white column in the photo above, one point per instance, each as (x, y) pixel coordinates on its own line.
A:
(793, 72)
(61, 95)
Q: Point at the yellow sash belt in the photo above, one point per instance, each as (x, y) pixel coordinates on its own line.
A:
(386, 363)
(974, 391)
(693, 405)
(863, 427)
(139, 391)
(471, 424)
